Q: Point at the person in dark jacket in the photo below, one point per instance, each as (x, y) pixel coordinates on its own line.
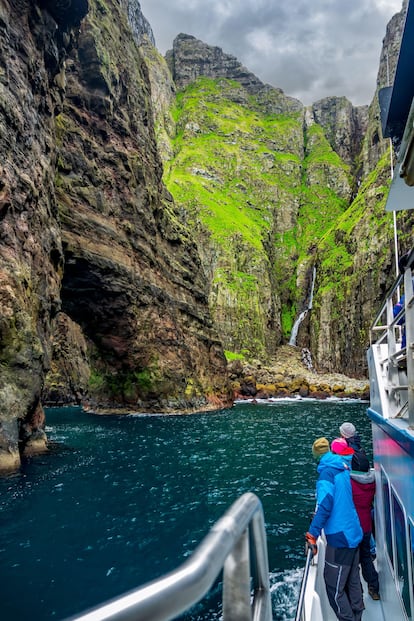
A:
(348, 431)
(337, 516)
(363, 492)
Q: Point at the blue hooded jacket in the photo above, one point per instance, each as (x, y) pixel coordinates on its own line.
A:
(335, 510)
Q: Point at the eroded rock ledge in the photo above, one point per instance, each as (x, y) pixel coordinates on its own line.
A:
(287, 375)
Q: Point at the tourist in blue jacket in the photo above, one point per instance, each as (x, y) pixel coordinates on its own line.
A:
(337, 517)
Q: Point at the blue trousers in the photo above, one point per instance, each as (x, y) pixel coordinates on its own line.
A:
(343, 585)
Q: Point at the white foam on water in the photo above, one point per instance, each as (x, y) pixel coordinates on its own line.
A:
(284, 590)
(271, 400)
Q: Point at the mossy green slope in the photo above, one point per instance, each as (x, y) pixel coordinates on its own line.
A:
(258, 191)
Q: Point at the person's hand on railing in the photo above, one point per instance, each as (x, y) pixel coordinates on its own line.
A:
(310, 544)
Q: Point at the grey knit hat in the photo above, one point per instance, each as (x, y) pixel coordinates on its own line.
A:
(347, 430)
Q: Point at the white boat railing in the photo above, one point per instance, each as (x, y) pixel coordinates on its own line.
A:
(237, 544)
(395, 361)
(300, 611)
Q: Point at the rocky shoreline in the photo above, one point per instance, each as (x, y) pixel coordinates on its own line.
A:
(290, 374)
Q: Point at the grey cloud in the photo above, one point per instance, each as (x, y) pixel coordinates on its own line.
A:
(310, 50)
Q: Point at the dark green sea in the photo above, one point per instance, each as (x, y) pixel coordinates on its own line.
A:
(122, 500)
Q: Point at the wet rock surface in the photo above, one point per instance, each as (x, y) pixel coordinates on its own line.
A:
(289, 375)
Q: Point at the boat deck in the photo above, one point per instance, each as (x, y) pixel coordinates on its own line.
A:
(373, 609)
(317, 607)
(372, 612)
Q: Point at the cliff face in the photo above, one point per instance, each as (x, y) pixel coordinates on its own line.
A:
(133, 279)
(344, 126)
(191, 58)
(310, 187)
(374, 147)
(261, 179)
(33, 43)
(141, 30)
(93, 253)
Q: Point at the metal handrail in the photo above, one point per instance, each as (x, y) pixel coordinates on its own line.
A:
(390, 293)
(395, 288)
(227, 546)
(300, 613)
(385, 335)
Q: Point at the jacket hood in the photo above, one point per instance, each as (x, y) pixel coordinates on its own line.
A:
(363, 477)
(331, 460)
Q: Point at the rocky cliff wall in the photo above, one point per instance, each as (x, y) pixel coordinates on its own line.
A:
(191, 58)
(133, 279)
(344, 125)
(374, 146)
(93, 252)
(34, 39)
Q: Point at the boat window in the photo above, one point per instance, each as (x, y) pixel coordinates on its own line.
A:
(387, 515)
(402, 573)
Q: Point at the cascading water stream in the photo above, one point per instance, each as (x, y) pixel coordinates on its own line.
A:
(296, 325)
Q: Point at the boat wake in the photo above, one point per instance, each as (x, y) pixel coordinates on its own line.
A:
(284, 589)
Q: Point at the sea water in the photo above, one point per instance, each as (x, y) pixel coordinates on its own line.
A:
(120, 500)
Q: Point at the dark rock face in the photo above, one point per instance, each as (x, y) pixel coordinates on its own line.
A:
(140, 26)
(67, 381)
(344, 125)
(133, 279)
(67, 13)
(87, 227)
(32, 49)
(190, 58)
(374, 146)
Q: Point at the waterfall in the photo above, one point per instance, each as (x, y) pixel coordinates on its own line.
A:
(295, 329)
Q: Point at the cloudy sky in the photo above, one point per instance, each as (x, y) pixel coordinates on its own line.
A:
(310, 49)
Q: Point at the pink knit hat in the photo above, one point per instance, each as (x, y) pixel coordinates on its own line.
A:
(340, 447)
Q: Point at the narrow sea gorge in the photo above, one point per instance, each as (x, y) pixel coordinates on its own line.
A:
(122, 500)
